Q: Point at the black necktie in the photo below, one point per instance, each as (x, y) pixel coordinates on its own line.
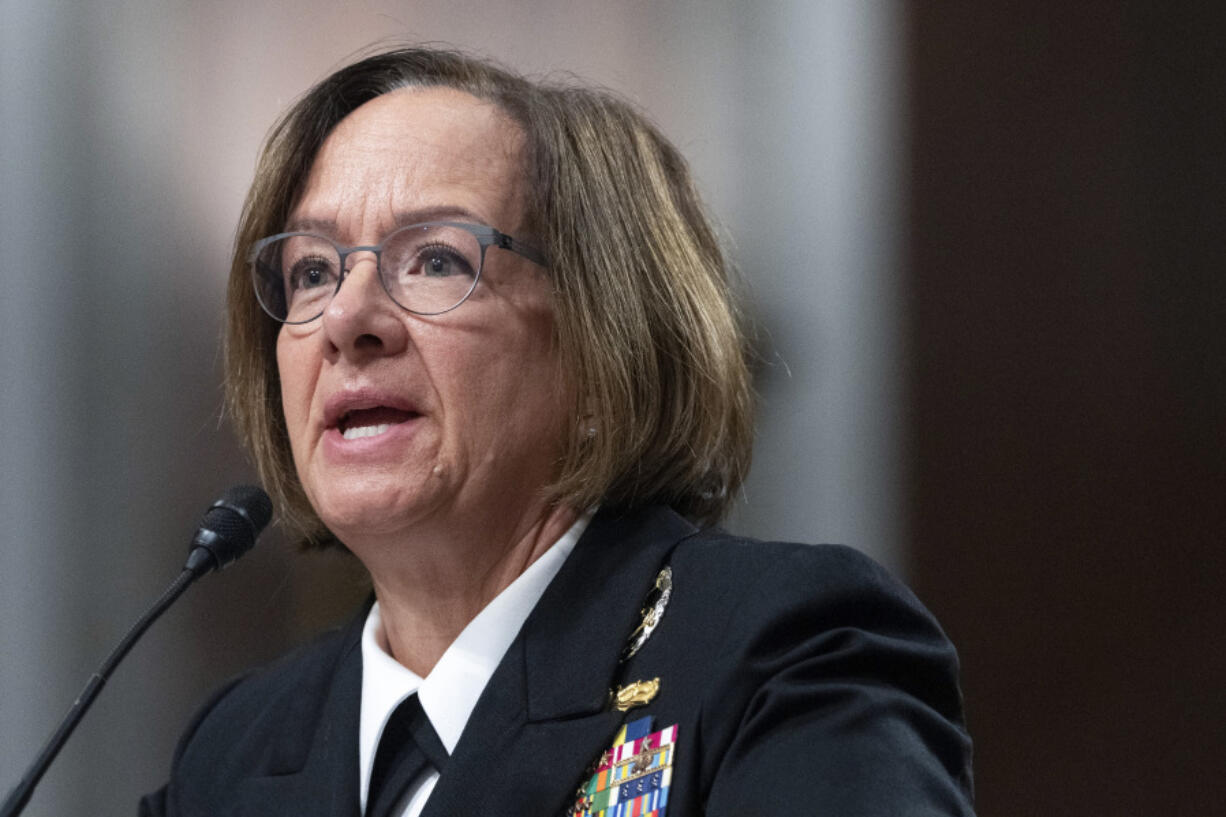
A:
(409, 743)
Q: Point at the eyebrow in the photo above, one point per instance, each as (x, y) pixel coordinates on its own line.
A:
(403, 218)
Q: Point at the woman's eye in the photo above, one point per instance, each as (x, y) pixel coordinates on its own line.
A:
(438, 262)
(310, 273)
(438, 265)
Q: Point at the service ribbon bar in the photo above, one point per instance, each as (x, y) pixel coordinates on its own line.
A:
(634, 776)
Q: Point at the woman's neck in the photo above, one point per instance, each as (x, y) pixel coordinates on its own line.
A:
(429, 591)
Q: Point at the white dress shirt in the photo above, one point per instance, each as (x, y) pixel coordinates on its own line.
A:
(449, 693)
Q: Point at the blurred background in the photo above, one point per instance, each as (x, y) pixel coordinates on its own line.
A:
(983, 244)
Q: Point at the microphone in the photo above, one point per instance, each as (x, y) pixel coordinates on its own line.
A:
(228, 530)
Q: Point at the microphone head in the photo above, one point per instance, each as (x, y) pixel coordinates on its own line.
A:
(229, 528)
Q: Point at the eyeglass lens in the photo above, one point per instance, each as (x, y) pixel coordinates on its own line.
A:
(426, 269)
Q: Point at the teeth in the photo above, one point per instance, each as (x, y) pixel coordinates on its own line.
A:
(357, 432)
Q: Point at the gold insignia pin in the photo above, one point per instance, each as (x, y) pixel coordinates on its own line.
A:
(652, 611)
(643, 760)
(636, 694)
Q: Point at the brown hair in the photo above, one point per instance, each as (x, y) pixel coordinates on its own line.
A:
(645, 324)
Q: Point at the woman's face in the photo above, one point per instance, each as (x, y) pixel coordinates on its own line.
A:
(464, 411)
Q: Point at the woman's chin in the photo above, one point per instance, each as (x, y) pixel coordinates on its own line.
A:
(369, 514)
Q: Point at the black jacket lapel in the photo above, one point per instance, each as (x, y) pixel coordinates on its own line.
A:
(543, 717)
(313, 763)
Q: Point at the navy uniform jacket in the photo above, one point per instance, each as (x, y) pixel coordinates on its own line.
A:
(802, 680)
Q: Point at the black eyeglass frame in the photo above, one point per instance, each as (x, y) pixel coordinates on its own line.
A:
(486, 237)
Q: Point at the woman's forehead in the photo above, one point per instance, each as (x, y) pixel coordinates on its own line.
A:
(417, 150)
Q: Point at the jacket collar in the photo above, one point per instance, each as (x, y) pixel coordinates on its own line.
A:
(573, 641)
(312, 762)
(544, 714)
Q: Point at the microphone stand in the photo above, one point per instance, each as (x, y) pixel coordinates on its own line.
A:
(20, 795)
(228, 530)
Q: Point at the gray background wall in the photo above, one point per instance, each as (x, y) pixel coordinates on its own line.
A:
(908, 190)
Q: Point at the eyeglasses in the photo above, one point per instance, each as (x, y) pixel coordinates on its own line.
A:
(427, 269)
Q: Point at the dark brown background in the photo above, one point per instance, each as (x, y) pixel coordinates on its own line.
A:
(1068, 405)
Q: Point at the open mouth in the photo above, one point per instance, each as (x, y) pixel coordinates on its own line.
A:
(371, 422)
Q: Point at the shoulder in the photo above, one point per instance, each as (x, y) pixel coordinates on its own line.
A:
(761, 578)
(289, 688)
(795, 603)
(830, 565)
(259, 724)
(814, 659)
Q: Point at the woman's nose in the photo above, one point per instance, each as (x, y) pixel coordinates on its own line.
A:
(362, 319)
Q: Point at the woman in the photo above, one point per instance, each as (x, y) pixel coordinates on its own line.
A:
(480, 334)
